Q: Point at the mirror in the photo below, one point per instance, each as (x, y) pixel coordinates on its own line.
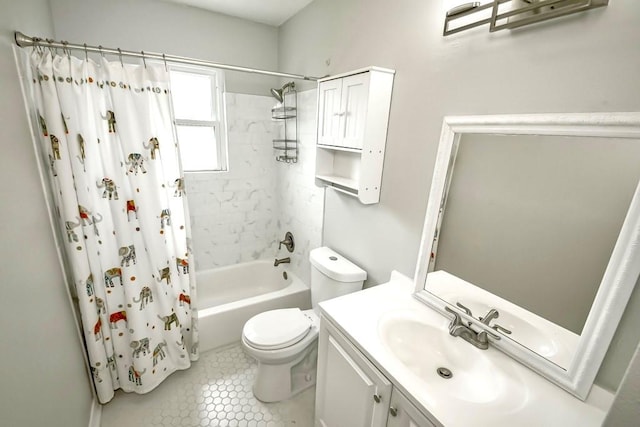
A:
(536, 216)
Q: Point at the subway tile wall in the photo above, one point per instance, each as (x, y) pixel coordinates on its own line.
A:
(301, 203)
(240, 215)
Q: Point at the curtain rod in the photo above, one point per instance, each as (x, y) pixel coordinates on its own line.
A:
(23, 40)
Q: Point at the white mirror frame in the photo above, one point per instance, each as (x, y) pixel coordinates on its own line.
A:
(622, 270)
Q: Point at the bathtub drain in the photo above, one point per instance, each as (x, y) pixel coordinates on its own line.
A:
(284, 274)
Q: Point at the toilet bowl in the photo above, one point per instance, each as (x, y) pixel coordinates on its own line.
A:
(285, 341)
(286, 362)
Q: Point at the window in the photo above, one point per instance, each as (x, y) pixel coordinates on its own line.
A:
(199, 118)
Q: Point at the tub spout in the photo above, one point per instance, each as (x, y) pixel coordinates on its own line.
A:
(277, 262)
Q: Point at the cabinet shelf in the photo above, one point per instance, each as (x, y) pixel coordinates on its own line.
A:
(353, 113)
(338, 148)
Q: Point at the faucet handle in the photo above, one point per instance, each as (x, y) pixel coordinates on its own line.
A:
(287, 242)
(456, 317)
(492, 314)
(501, 329)
(466, 310)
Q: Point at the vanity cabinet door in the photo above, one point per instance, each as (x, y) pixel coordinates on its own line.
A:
(402, 413)
(350, 391)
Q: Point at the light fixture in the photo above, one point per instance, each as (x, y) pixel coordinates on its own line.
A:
(502, 14)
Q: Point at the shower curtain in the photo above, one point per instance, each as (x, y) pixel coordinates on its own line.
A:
(106, 131)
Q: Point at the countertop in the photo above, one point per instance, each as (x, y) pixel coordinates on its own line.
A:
(537, 403)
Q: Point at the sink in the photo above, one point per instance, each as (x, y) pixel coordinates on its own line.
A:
(419, 340)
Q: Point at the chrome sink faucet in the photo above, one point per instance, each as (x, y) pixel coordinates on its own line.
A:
(458, 328)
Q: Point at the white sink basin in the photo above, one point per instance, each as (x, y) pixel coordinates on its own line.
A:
(422, 344)
(407, 341)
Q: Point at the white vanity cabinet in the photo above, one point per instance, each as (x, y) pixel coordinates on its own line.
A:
(352, 392)
(353, 114)
(402, 413)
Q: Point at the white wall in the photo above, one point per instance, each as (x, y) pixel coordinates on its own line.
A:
(44, 380)
(157, 26)
(585, 62)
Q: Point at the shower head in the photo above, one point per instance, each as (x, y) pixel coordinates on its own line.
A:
(279, 93)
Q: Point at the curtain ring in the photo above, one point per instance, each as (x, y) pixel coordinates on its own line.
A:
(143, 59)
(101, 52)
(51, 48)
(120, 56)
(65, 49)
(164, 58)
(86, 53)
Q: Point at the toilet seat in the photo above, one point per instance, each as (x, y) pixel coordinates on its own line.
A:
(277, 329)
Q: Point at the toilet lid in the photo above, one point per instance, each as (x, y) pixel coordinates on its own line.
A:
(276, 329)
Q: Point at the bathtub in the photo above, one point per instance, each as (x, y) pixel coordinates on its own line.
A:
(229, 296)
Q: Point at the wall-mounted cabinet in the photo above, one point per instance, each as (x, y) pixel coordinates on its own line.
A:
(353, 115)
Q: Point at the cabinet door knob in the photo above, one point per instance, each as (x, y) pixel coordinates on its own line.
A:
(377, 398)
(393, 411)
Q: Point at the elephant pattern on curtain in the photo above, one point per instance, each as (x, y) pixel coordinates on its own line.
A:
(107, 132)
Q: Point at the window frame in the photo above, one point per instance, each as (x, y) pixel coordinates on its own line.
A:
(219, 124)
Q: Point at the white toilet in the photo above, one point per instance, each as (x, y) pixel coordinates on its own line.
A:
(285, 341)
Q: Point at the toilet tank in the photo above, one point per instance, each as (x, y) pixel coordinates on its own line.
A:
(332, 275)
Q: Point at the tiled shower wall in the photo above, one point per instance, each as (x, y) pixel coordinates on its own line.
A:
(301, 203)
(240, 215)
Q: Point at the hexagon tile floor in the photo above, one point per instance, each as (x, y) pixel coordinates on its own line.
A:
(215, 391)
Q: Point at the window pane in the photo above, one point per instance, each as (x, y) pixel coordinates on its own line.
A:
(198, 148)
(192, 96)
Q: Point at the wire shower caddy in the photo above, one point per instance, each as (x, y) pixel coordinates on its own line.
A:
(286, 112)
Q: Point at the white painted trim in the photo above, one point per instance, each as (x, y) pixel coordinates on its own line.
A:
(621, 272)
(95, 417)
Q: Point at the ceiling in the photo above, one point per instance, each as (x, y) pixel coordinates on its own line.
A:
(271, 12)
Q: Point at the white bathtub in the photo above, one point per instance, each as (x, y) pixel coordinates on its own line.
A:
(229, 296)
